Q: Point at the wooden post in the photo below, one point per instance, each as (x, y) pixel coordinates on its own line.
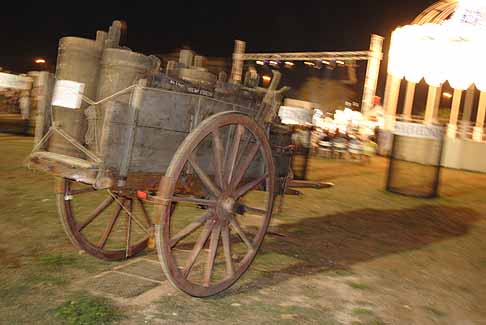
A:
(372, 72)
(468, 104)
(437, 103)
(135, 107)
(237, 69)
(455, 108)
(431, 104)
(409, 96)
(392, 92)
(478, 129)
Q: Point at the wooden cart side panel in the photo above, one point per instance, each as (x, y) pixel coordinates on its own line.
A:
(167, 110)
(199, 109)
(179, 111)
(154, 149)
(164, 120)
(114, 133)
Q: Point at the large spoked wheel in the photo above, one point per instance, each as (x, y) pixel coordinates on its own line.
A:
(108, 225)
(210, 239)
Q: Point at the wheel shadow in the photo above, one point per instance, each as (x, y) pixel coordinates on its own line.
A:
(339, 241)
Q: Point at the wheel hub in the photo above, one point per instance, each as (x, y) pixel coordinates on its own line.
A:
(225, 207)
(228, 204)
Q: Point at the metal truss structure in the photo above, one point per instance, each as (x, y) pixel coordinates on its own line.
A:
(373, 56)
(311, 56)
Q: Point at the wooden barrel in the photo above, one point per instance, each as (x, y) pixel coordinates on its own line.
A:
(120, 69)
(78, 60)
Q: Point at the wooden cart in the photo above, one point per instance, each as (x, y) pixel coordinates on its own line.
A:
(191, 174)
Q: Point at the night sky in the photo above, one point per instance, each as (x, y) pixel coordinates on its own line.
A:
(32, 29)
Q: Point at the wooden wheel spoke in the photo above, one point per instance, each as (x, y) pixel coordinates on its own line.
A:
(129, 228)
(145, 214)
(109, 228)
(218, 158)
(95, 214)
(249, 186)
(251, 210)
(134, 218)
(205, 179)
(233, 155)
(244, 147)
(231, 132)
(82, 191)
(242, 234)
(182, 199)
(245, 164)
(213, 248)
(95, 233)
(225, 237)
(186, 231)
(198, 246)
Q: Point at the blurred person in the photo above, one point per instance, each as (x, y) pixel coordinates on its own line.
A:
(316, 134)
(355, 147)
(325, 144)
(340, 145)
(369, 149)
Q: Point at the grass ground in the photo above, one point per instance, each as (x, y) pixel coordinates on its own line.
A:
(352, 254)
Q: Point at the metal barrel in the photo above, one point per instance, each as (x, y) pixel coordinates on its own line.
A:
(78, 60)
(120, 69)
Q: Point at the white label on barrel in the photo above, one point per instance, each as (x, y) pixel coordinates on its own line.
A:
(68, 94)
(8, 80)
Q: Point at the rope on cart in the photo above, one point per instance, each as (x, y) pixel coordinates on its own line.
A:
(129, 213)
(101, 101)
(71, 140)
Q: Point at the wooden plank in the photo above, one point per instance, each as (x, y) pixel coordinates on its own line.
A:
(65, 160)
(61, 168)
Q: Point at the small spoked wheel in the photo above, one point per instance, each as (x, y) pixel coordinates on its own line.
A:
(108, 225)
(210, 239)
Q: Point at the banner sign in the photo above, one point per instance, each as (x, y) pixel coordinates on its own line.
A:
(418, 130)
(68, 94)
(295, 115)
(8, 80)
